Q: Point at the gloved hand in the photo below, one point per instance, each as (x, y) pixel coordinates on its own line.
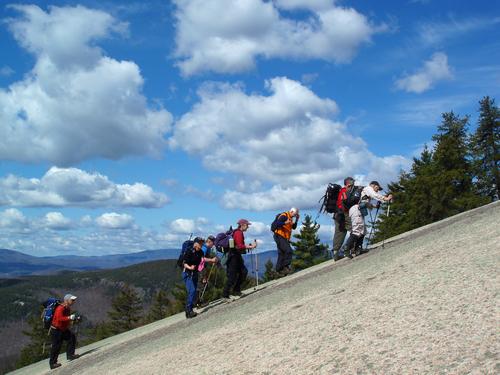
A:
(72, 317)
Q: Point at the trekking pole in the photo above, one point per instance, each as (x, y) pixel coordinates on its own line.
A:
(256, 270)
(387, 216)
(206, 284)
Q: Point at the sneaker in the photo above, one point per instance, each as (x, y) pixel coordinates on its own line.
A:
(191, 314)
(73, 357)
(55, 365)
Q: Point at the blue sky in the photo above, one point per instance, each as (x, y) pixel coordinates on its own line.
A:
(127, 127)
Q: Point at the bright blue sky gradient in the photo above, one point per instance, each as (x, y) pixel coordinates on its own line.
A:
(378, 105)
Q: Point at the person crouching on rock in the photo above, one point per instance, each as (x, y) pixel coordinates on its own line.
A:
(357, 215)
(285, 223)
(191, 262)
(60, 331)
(236, 270)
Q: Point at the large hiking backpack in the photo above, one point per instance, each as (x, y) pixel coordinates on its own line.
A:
(221, 242)
(329, 200)
(186, 246)
(49, 308)
(274, 224)
(353, 197)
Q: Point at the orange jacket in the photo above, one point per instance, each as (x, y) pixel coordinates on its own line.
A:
(286, 230)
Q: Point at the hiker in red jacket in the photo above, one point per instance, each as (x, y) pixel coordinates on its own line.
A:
(60, 331)
(342, 219)
(236, 270)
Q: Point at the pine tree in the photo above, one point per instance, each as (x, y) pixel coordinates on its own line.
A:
(270, 273)
(39, 346)
(453, 190)
(160, 308)
(126, 310)
(485, 148)
(308, 249)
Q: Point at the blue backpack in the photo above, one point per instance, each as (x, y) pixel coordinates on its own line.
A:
(186, 245)
(221, 242)
(49, 307)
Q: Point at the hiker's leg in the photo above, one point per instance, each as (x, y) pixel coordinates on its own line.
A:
(242, 275)
(338, 238)
(288, 254)
(191, 291)
(357, 221)
(231, 275)
(71, 339)
(56, 339)
(281, 253)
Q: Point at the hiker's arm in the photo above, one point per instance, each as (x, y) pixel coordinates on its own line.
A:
(212, 260)
(281, 221)
(59, 316)
(189, 268)
(371, 193)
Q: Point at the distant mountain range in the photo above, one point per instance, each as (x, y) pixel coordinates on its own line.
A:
(15, 264)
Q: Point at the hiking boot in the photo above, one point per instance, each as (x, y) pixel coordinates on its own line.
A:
(55, 365)
(191, 314)
(73, 357)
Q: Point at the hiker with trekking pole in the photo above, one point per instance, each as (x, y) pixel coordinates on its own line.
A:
(358, 201)
(60, 330)
(235, 265)
(192, 257)
(282, 227)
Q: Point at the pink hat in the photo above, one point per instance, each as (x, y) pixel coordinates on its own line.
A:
(244, 221)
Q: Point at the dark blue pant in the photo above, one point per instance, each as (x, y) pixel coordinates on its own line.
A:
(285, 252)
(191, 281)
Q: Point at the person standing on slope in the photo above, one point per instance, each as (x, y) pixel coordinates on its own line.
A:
(236, 270)
(285, 223)
(357, 215)
(191, 262)
(60, 331)
(341, 218)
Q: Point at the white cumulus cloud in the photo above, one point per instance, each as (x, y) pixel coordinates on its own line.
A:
(61, 187)
(435, 69)
(227, 36)
(281, 149)
(76, 103)
(113, 220)
(57, 221)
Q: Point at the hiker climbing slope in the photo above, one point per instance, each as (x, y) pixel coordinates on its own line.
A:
(341, 218)
(282, 227)
(236, 270)
(358, 201)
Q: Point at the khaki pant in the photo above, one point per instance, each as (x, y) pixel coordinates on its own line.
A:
(340, 232)
(357, 221)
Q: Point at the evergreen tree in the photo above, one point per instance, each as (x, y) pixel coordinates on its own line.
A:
(485, 148)
(126, 310)
(453, 190)
(270, 273)
(39, 346)
(308, 249)
(160, 308)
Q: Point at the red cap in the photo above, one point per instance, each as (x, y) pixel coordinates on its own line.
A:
(244, 221)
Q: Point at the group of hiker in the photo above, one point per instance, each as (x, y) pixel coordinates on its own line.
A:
(348, 204)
